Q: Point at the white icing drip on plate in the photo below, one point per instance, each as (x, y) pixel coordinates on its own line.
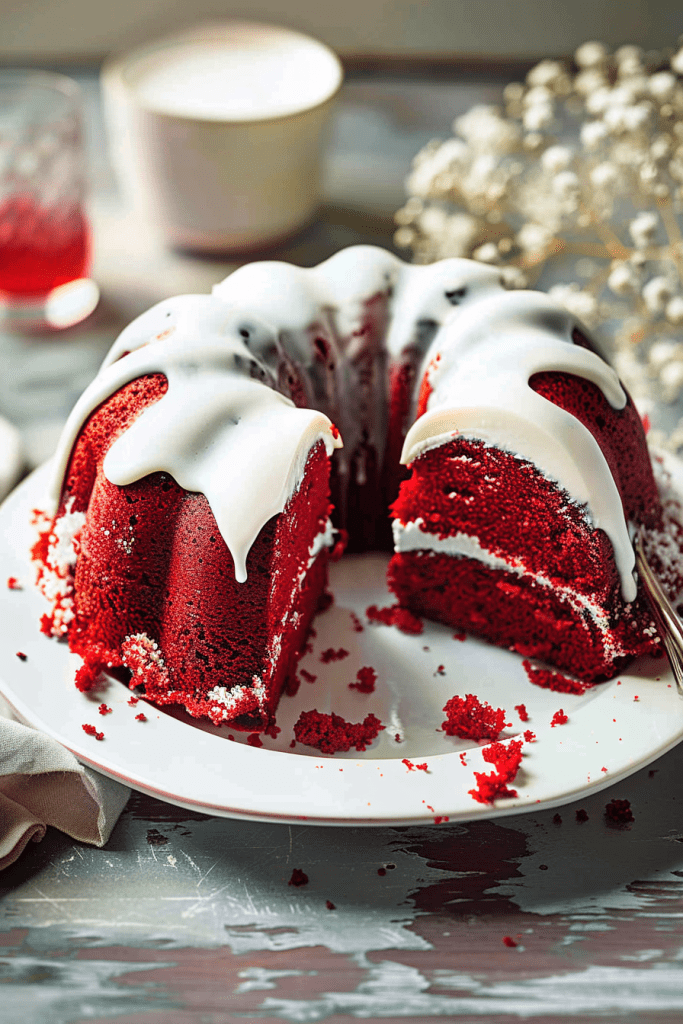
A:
(244, 445)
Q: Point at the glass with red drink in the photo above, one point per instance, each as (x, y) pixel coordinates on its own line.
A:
(44, 234)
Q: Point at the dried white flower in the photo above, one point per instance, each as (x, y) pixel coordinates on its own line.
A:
(580, 303)
(656, 294)
(556, 158)
(580, 179)
(623, 280)
(662, 85)
(674, 310)
(591, 54)
(513, 277)
(484, 128)
(487, 253)
(533, 237)
(566, 185)
(547, 73)
(538, 116)
(643, 229)
(604, 175)
(592, 134)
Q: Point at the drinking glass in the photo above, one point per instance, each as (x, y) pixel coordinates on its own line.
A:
(44, 234)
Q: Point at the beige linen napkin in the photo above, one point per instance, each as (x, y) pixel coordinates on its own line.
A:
(42, 783)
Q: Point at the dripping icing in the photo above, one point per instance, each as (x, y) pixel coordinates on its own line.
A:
(220, 355)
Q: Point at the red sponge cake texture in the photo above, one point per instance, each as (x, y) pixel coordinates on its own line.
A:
(518, 514)
(153, 565)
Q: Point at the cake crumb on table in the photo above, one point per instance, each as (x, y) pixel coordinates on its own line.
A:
(618, 812)
(21, 656)
(298, 878)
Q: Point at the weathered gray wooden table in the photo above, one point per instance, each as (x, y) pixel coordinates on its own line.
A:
(189, 919)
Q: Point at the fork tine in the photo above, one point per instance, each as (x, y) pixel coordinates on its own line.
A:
(667, 621)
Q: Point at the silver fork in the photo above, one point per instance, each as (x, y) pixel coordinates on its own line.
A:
(668, 624)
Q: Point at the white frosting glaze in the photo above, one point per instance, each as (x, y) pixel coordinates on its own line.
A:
(239, 442)
(220, 431)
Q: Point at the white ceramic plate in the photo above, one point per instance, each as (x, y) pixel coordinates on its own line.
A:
(613, 729)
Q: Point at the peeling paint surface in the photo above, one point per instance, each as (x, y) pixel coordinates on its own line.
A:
(187, 918)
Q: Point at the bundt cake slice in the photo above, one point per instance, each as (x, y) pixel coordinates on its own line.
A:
(529, 474)
(191, 539)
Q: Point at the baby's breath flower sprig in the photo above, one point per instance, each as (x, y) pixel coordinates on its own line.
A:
(575, 183)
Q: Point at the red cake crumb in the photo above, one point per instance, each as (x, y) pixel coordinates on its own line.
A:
(469, 718)
(394, 615)
(559, 718)
(90, 730)
(330, 905)
(509, 941)
(557, 819)
(439, 818)
(522, 712)
(415, 767)
(581, 815)
(331, 655)
(357, 624)
(292, 684)
(141, 717)
(254, 740)
(273, 730)
(506, 760)
(619, 812)
(299, 877)
(440, 670)
(331, 733)
(366, 679)
(104, 709)
(381, 871)
(95, 660)
(308, 676)
(21, 656)
(339, 546)
(463, 759)
(132, 701)
(554, 681)
(13, 583)
(460, 636)
(529, 736)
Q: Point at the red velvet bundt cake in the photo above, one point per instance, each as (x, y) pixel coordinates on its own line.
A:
(192, 488)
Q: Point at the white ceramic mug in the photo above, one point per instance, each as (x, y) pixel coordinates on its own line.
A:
(217, 133)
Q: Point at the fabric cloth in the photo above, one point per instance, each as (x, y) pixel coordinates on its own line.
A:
(42, 783)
